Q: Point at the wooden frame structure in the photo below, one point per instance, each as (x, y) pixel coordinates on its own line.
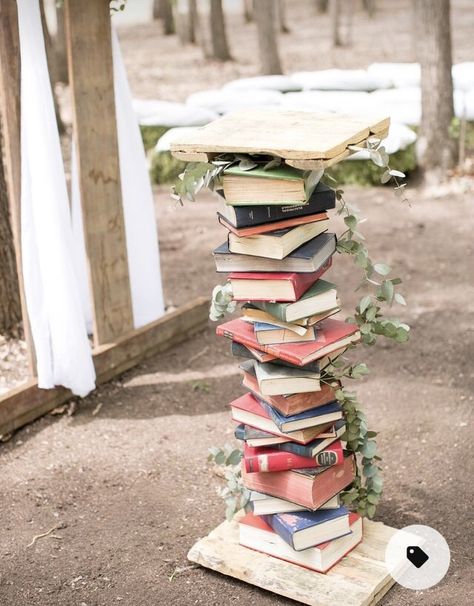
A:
(117, 345)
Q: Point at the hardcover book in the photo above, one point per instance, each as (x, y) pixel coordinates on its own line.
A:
(268, 334)
(262, 286)
(250, 313)
(323, 198)
(268, 459)
(304, 529)
(308, 258)
(312, 449)
(248, 411)
(309, 488)
(276, 244)
(257, 437)
(262, 504)
(332, 335)
(256, 534)
(276, 380)
(320, 297)
(329, 413)
(266, 227)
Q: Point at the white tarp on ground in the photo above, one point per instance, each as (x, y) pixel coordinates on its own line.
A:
(164, 142)
(341, 79)
(333, 101)
(224, 101)
(152, 112)
(284, 84)
(53, 299)
(407, 75)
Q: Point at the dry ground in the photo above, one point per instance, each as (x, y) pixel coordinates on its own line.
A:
(127, 477)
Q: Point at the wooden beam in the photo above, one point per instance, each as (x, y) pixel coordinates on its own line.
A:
(27, 402)
(89, 47)
(10, 118)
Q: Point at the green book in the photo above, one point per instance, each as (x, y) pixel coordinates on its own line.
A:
(285, 172)
(321, 297)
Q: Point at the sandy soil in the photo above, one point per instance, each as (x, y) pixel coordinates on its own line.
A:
(125, 478)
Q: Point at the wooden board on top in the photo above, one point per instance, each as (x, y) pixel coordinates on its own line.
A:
(292, 135)
(359, 579)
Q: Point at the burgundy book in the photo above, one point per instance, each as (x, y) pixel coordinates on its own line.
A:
(332, 335)
(285, 286)
(295, 403)
(268, 459)
(310, 488)
(249, 411)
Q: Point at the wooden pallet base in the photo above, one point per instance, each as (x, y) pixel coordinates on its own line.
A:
(359, 579)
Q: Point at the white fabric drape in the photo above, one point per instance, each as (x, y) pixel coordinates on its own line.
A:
(58, 326)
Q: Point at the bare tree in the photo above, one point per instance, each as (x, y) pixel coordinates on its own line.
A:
(322, 6)
(10, 307)
(219, 45)
(186, 20)
(435, 148)
(370, 7)
(264, 11)
(163, 9)
(248, 11)
(281, 13)
(341, 21)
(59, 47)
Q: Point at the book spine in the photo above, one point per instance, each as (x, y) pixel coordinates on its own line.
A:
(276, 461)
(247, 216)
(282, 531)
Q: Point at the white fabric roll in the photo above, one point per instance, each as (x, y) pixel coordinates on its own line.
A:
(52, 294)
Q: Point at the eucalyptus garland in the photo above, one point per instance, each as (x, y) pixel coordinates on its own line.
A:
(365, 492)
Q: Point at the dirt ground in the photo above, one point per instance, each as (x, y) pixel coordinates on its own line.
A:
(125, 478)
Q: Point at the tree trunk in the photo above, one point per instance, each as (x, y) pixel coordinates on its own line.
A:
(219, 45)
(248, 11)
(341, 22)
(59, 48)
(264, 11)
(163, 9)
(322, 6)
(435, 147)
(370, 7)
(10, 306)
(282, 24)
(186, 21)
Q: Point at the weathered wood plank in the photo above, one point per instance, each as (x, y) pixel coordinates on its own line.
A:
(10, 118)
(91, 75)
(358, 580)
(27, 402)
(288, 134)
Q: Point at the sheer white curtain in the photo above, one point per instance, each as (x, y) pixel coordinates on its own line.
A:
(54, 261)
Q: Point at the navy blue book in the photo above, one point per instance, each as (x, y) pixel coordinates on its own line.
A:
(313, 448)
(257, 437)
(321, 415)
(240, 351)
(304, 529)
(323, 198)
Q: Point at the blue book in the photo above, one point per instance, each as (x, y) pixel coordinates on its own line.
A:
(304, 529)
(328, 413)
(258, 326)
(311, 449)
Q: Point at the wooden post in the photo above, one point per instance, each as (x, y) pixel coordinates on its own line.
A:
(88, 35)
(10, 117)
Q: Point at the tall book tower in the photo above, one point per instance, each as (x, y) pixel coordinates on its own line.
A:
(297, 539)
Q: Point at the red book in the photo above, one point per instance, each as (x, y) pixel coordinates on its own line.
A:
(311, 488)
(331, 335)
(265, 458)
(266, 227)
(295, 403)
(248, 411)
(249, 286)
(256, 534)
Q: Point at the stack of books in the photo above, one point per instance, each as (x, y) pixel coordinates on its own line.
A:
(276, 254)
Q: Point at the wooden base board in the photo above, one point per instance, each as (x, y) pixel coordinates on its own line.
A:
(28, 402)
(359, 579)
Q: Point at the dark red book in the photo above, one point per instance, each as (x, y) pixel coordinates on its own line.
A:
(331, 335)
(267, 459)
(295, 403)
(310, 488)
(249, 411)
(259, 286)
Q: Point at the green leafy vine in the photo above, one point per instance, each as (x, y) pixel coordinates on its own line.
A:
(365, 492)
